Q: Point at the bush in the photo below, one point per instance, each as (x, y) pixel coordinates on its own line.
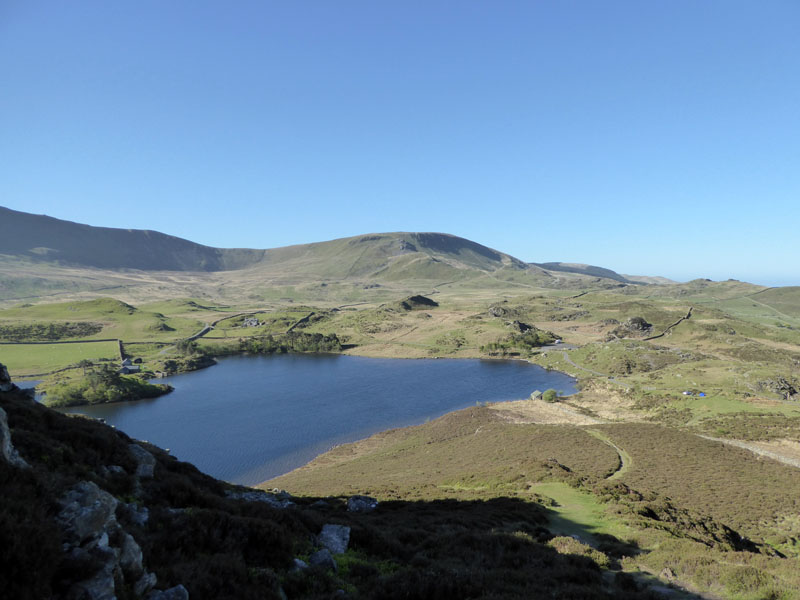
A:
(550, 396)
(291, 342)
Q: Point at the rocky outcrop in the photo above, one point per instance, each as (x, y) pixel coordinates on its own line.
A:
(323, 558)
(298, 565)
(276, 499)
(334, 538)
(92, 536)
(7, 450)
(780, 385)
(175, 593)
(5, 380)
(633, 327)
(138, 515)
(520, 326)
(417, 302)
(361, 504)
(145, 462)
(638, 324)
(497, 311)
(87, 512)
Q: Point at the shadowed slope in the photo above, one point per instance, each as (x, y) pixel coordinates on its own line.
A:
(45, 239)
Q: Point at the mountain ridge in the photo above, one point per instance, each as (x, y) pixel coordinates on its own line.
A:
(391, 257)
(41, 238)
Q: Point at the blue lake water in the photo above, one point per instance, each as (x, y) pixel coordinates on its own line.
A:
(251, 418)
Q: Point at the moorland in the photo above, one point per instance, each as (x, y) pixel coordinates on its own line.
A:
(673, 470)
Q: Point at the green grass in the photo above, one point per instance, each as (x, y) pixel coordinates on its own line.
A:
(626, 460)
(30, 359)
(119, 320)
(577, 513)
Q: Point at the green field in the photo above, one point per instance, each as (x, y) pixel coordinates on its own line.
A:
(25, 360)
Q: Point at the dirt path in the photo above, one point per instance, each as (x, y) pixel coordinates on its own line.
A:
(625, 460)
(541, 412)
(755, 449)
(210, 326)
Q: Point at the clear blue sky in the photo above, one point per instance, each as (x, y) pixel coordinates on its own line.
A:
(657, 137)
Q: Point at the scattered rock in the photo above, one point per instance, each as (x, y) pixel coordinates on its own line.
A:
(86, 513)
(277, 499)
(145, 583)
(406, 247)
(635, 326)
(334, 538)
(299, 565)
(111, 470)
(175, 593)
(361, 504)
(323, 558)
(139, 515)
(417, 302)
(281, 494)
(130, 556)
(98, 587)
(5, 380)
(92, 535)
(145, 462)
(668, 574)
(497, 311)
(7, 450)
(520, 326)
(780, 386)
(638, 324)
(573, 316)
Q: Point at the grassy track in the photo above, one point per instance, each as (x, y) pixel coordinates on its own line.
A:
(577, 513)
(625, 459)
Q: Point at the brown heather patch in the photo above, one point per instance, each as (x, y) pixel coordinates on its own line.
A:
(730, 484)
(473, 451)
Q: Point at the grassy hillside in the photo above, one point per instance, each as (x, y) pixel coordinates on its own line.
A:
(43, 257)
(110, 319)
(583, 270)
(42, 238)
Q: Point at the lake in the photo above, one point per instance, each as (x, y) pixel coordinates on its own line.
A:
(251, 418)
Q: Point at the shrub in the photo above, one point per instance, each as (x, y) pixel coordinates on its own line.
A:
(550, 396)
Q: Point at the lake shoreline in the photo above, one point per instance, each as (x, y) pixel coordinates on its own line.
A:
(256, 417)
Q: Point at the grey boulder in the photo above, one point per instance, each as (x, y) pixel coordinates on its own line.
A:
(335, 538)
